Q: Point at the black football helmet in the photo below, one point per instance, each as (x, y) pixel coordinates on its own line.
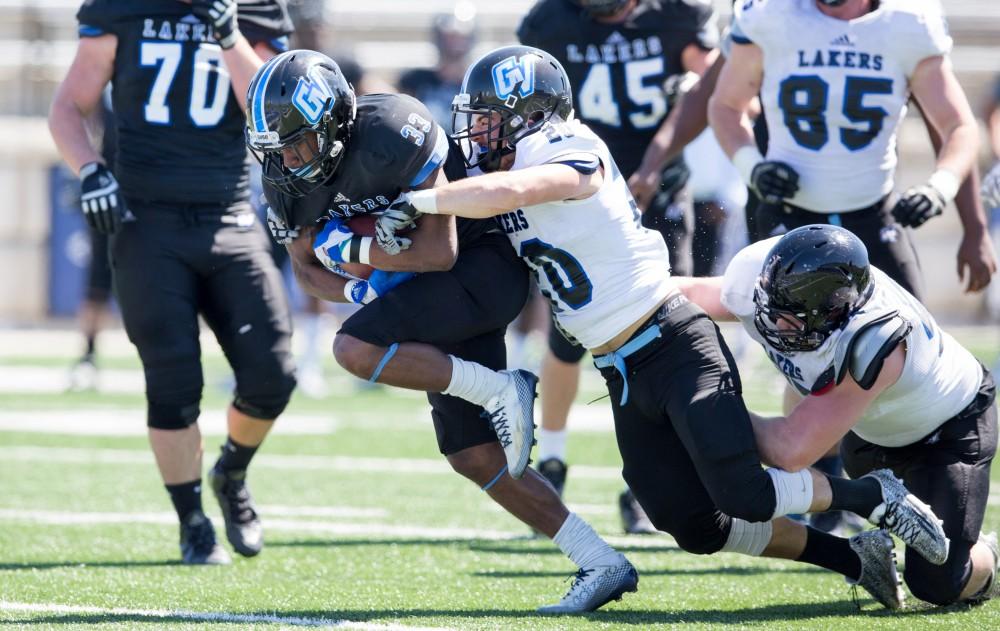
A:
(299, 102)
(526, 86)
(602, 8)
(813, 280)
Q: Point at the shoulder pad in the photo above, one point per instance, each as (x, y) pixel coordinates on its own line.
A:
(865, 343)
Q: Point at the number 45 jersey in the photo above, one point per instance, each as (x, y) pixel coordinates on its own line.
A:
(835, 91)
(617, 71)
(180, 127)
(599, 268)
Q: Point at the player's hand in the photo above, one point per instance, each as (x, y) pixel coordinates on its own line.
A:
(332, 244)
(101, 200)
(378, 284)
(644, 186)
(399, 215)
(281, 233)
(976, 254)
(989, 190)
(221, 16)
(917, 205)
(774, 181)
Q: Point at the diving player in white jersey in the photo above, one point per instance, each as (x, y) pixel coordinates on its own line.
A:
(874, 369)
(834, 78)
(683, 431)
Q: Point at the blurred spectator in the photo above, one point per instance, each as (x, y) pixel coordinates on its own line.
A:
(991, 115)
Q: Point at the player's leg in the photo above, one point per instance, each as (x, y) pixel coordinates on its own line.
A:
(243, 301)
(950, 471)
(157, 293)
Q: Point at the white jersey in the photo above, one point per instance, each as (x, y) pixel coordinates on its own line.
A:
(940, 377)
(599, 268)
(834, 91)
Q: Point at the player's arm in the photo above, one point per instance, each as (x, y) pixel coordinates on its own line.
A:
(79, 96)
(314, 279)
(799, 439)
(496, 193)
(706, 292)
(738, 83)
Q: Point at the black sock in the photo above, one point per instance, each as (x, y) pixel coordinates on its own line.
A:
(235, 457)
(859, 496)
(832, 553)
(186, 497)
(832, 466)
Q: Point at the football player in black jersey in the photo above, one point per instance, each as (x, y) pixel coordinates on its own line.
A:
(184, 241)
(327, 158)
(618, 54)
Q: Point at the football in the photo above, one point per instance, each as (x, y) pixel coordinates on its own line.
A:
(361, 225)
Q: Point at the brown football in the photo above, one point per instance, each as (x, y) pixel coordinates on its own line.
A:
(364, 226)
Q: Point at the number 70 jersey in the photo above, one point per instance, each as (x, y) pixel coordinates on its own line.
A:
(599, 268)
(834, 91)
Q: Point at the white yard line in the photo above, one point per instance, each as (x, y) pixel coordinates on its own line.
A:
(168, 615)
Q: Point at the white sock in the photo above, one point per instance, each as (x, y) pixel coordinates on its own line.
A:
(793, 492)
(748, 537)
(552, 444)
(583, 546)
(474, 382)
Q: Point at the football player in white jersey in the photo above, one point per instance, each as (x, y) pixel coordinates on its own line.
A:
(873, 368)
(683, 431)
(834, 78)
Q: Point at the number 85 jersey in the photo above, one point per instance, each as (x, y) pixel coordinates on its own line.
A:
(180, 127)
(599, 268)
(834, 91)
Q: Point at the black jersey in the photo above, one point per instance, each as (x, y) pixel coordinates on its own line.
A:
(617, 71)
(395, 145)
(180, 128)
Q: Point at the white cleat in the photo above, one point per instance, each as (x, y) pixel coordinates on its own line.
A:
(905, 516)
(879, 576)
(512, 414)
(596, 586)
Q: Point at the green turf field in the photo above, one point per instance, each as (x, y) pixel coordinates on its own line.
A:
(365, 526)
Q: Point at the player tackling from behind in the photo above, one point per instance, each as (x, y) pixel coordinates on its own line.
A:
(683, 431)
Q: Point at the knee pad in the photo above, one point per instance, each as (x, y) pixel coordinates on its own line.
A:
(936, 584)
(706, 535)
(173, 393)
(267, 399)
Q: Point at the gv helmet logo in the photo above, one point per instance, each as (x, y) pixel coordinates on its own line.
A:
(312, 96)
(512, 73)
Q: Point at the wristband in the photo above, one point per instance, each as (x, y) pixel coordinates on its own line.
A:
(358, 250)
(944, 182)
(364, 252)
(424, 201)
(745, 159)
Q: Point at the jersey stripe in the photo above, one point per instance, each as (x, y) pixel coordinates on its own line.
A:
(435, 160)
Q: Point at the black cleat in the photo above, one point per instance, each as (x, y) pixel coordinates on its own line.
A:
(634, 518)
(243, 528)
(554, 470)
(198, 544)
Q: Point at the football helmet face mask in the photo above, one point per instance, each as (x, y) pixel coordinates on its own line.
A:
(814, 279)
(300, 110)
(507, 94)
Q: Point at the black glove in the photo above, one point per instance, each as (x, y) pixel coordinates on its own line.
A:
(774, 181)
(917, 205)
(221, 16)
(100, 200)
(399, 215)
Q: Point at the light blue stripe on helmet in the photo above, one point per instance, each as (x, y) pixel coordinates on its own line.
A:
(435, 160)
(260, 125)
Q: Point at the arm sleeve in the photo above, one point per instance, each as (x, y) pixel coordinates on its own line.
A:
(96, 18)
(750, 21)
(924, 34)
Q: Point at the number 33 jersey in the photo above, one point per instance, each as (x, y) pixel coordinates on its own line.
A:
(180, 127)
(599, 268)
(834, 91)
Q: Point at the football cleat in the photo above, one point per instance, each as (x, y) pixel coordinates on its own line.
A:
(554, 470)
(992, 588)
(905, 516)
(243, 528)
(879, 576)
(512, 414)
(198, 544)
(634, 518)
(593, 587)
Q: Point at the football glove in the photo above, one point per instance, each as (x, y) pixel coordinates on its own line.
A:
(990, 188)
(335, 243)
(774, 181)
(221, 17)
(378, 284)
(401, 214)
(917, 205)
(282, 234)
(101, 200)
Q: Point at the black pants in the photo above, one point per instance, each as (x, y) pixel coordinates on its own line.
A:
(464, 312)
(889, 245)
(685, 436)
(178, 261)
(950, 470)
